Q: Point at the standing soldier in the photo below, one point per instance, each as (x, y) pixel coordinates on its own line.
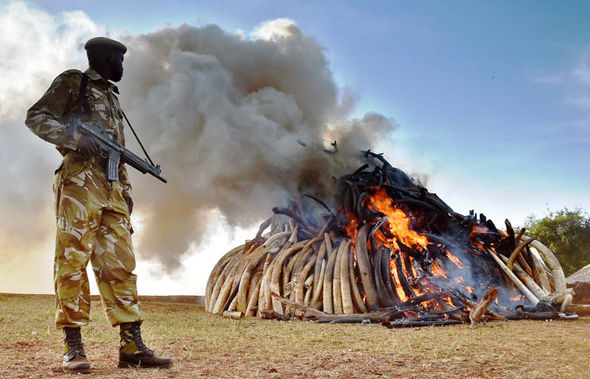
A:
(92, 213)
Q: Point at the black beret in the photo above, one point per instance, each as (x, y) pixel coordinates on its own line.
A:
(105, 42)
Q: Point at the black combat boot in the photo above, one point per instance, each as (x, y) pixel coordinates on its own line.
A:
(133, 352)
(74, 355)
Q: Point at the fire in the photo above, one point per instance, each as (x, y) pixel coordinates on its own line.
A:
(399, 248)
(398, 222)
(413, 273)
(432, 305)
(394, 231)
(392, 226)
(437, 271)
(454, 259)
(352, 227)
(448, 300)
(398, 287)
(479, 229)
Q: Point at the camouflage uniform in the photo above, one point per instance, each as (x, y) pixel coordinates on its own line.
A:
(91, 212)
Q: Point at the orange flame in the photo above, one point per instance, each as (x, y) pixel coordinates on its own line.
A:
(454, 259)
(412, 270)
(398, 287)
(352, 227)
(398, 221)
(437, 271)
(398, 225)
(479, 229)
(448, 300)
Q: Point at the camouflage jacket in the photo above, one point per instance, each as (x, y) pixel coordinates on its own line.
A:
(47, 117)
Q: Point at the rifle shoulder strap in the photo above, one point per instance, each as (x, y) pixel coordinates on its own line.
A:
(82, 106)
(138, 140)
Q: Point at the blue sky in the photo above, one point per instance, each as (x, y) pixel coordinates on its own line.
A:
(482, 89)
(492, 98)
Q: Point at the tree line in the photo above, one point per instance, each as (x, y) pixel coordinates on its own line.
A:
(567, 233)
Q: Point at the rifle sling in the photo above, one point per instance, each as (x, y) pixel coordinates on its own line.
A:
(137, 138)
(82, 107)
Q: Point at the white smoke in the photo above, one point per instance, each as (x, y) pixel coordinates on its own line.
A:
(238, 124)
(34, 48)
(276, 29)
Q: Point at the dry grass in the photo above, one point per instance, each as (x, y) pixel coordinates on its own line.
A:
(204, 345)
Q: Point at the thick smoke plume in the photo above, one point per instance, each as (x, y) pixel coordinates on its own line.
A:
(239, 126)
(34, 48)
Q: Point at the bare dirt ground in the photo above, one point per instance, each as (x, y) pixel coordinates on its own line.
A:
(204, 345)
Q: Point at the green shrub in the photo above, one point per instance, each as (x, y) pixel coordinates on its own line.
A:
(567, 233)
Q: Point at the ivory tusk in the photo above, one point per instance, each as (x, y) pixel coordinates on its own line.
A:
(553, 263)
(257, 256)
(317, 278)
(528, 281)
(356, 293)
(476, 313)
(345, 290)
(516, 252)
(300, 283)
(328, 277)
(289, 248)
(365, 268)
(529, 295)
(336, 286)
(316, 302)
(253, 298)
(216, 271)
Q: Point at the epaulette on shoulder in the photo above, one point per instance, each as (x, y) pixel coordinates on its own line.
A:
(71, 77)
(72, 74)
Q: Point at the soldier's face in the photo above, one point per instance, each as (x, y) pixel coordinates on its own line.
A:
(116, 66)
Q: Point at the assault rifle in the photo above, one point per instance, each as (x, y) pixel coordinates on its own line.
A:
(112, 151)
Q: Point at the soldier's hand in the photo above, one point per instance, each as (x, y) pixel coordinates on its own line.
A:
(129, 202)
(87, 146)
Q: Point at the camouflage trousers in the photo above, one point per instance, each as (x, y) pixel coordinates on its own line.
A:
(92, 225)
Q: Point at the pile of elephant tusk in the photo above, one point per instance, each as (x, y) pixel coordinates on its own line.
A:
(390, 252)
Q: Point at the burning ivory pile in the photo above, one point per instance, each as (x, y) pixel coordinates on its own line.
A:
(389, 251)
